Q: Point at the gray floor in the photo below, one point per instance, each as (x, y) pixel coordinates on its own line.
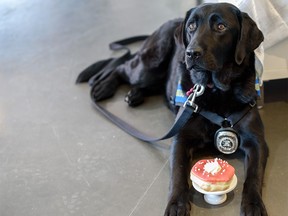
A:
(58, 156)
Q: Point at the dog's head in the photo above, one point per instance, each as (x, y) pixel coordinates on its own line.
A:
(216, 39)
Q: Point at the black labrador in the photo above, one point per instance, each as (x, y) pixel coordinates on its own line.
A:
(214, 47)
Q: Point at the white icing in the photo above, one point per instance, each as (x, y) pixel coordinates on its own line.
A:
(212, 167)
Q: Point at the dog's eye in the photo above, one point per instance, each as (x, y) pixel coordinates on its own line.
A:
(221, 27)
(192, 26)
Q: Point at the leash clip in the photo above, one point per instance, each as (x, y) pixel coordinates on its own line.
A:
(196, 92)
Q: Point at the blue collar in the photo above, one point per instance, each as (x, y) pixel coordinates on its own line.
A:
(180, 96)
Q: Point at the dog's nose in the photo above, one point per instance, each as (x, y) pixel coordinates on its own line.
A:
(194, 53)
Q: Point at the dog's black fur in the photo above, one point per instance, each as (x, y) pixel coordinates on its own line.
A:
(213, 46)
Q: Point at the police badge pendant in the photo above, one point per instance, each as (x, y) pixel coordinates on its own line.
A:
(226, 140)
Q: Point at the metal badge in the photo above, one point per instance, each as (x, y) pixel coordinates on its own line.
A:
(226, 141)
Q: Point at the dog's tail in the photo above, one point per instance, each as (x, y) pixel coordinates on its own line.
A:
(97, 68)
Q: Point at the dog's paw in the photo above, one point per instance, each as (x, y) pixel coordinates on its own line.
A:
(104, 89)
(252, 204)
(178, 207)
(134, 97)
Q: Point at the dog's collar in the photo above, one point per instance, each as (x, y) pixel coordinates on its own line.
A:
(181, 98)
(229, 121)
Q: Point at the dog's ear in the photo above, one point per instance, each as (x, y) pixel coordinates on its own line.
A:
(250, 37)
(180, 34)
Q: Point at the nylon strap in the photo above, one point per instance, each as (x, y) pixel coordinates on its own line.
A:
(182, 117)
(233, 119)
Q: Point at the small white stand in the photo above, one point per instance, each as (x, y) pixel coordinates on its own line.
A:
(216, 197)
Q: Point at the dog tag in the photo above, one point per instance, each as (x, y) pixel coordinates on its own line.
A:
(226, 140)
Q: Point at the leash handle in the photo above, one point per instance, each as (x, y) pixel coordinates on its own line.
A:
(103, 68)
(113, 63)
(121, 44)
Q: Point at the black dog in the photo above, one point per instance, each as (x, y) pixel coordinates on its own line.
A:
(214, 47)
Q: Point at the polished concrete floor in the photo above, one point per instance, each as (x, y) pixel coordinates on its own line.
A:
(58, 156)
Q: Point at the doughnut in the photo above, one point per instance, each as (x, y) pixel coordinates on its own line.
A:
(212, 174)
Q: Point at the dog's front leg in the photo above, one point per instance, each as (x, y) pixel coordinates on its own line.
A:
(178, 204)
(256, 153)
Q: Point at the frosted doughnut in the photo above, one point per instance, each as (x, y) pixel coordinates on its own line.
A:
(212, 174)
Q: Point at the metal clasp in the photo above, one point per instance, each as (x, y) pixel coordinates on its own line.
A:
(197, 91)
